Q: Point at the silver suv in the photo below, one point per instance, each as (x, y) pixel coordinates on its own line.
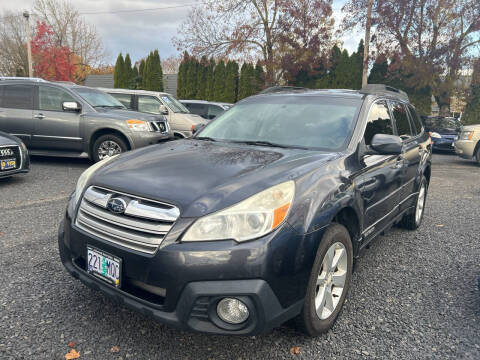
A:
(64, 119)
(179, 117)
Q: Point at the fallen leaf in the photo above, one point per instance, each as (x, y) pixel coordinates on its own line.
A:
(71, 344)
(73, 354)
(440, 225)
(295, 350)
(115, 349)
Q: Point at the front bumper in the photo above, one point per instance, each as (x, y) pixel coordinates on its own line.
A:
(443, 144)
(465, 148)
(195, 279)
(24, 165)
(141, 139)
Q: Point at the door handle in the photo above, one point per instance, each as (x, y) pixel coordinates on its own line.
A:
(39, 116)
(368, 185)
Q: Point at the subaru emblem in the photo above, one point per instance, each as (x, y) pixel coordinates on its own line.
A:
(117, 205)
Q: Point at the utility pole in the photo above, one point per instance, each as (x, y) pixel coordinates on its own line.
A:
(26, 15)
(367, 43)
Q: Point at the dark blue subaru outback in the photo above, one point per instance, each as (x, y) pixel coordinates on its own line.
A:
(259, 217)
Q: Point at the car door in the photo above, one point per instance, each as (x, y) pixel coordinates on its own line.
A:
(16, 109)
(410, 157)
(380, 176)
(54, 127)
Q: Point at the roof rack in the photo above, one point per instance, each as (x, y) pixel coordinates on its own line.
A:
(384, 89)
(21, 78)
(278, 89)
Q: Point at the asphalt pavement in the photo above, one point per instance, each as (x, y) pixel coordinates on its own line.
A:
(414, 294)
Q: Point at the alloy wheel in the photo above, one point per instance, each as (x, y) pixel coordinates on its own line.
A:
(108, 148)
(331, 280)
(420, 204)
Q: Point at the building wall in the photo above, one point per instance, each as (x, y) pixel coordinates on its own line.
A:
(106, 81)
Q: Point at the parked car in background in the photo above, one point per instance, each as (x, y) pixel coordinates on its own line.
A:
(179, 117)
(468, 144)
(443, 131)
(14, 158)
(258, 218)
(64, 119)
(207, 109)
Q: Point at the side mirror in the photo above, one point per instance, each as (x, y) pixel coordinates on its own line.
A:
(71, 106)
(197, 128)
(163, 110)
(387, 144)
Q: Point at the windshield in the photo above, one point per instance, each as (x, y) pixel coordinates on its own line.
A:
(175, 105)
(318, 122)
(442, 123)
(97, 98)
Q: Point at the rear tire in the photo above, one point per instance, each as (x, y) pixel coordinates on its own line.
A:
(413, 220)
(108, 145)
(329, 282)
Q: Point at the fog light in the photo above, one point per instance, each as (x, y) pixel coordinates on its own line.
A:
(232, 311)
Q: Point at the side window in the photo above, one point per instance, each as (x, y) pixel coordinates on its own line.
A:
(214, 111)
(378, 122)
(401, 120)
(51, 99)
(18, 97)
(198, 109)
(416, 119)
(1, 96)
(149, 104)
(125, 99)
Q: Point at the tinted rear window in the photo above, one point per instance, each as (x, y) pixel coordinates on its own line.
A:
(17, 97)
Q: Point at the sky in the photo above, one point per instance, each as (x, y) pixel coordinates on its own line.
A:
(140, 32)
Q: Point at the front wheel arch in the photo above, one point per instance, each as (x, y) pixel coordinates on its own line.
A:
(102, 132)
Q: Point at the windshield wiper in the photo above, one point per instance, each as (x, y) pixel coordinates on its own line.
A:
(270, 144)
(204, 138)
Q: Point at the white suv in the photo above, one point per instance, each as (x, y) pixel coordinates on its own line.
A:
(179, 117)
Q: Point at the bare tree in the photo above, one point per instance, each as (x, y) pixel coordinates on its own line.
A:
(233, 27)
(171, 64)
(434, 37)
(71, 30)
(13, 52)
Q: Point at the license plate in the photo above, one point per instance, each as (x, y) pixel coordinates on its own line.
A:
(8, 164)
(104, 266)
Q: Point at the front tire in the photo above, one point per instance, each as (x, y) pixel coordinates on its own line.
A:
(108, 145)
(329, 282)
(477, 156)
(413, 220)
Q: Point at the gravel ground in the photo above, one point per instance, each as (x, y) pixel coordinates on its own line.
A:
(413, 295)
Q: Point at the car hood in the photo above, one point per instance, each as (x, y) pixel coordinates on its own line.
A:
(470, 128)
(193, 118)
(201, 177)
(6, 139)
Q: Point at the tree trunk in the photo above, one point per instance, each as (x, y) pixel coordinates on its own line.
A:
(367, 43)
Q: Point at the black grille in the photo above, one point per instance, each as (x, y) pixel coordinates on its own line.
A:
(159, 126)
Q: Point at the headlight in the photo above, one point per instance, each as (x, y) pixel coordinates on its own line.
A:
(252, 218)
(138, 125)
(435, 135)
(83, 179)
(466, 135)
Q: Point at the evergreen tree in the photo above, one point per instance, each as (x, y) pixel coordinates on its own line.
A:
(156, 73)
(259, 78)
(128, 73)
(219, 82)
(378, 74)
(247, 82)
(135, 78)
(202, 79)
(147, 71)
(118, 72)
(210, 80)
(182, 76)
(341, 75)
(472, 110)
(191, 84)
(141, 69)
(356, 69)
(231, 78)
